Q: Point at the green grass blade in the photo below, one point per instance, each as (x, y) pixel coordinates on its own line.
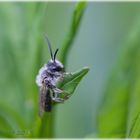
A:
(118, 116)
(75, 24)
(133, 123)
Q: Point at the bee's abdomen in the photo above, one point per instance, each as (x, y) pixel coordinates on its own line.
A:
(48, 102)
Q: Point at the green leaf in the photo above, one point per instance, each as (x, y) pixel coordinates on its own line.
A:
(71, 80)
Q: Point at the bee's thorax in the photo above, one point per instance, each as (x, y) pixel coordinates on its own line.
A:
(50, 73)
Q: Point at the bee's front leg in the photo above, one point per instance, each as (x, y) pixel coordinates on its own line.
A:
(54, 95)
(55, 98)
(57, 90)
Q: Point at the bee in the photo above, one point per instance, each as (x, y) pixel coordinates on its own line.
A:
(46, 80)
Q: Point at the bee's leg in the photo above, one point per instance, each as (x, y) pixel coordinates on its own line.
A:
(58, 100)
(57, 90)
(55, 97)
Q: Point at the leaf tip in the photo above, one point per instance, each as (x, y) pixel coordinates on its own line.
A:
(86, 69)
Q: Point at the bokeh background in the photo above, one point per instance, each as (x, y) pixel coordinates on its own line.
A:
(103, 31)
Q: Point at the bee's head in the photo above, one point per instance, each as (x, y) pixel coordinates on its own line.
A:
(54, 66)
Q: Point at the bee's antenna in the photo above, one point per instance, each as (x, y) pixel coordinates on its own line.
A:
(55, 54)
(49, 46)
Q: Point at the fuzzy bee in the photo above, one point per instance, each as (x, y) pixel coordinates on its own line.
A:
(46, 79)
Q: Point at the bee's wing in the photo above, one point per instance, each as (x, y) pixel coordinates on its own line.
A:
(42, 98)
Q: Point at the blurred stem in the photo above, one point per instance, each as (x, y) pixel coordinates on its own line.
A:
(46, 129)
(75, 23)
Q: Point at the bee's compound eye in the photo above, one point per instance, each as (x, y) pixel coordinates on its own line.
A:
(58, 69)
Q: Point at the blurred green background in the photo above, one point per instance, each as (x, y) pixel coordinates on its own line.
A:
(99, 43)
